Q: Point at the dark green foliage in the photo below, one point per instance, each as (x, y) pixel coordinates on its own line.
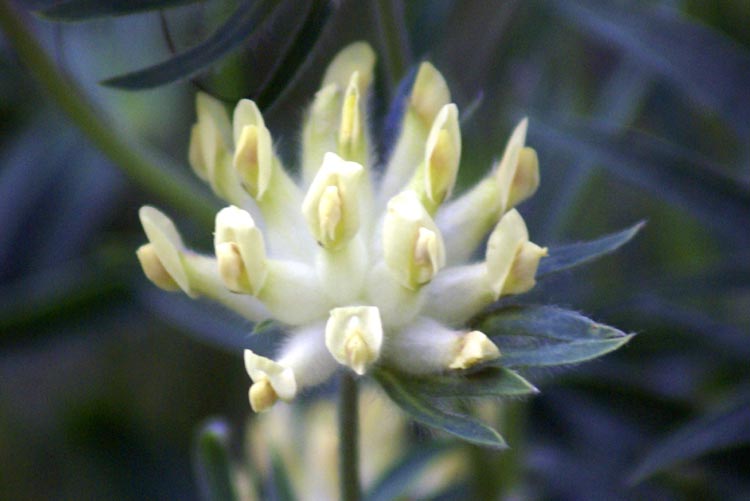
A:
(84, 10)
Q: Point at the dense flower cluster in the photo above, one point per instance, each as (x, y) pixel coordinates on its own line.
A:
(362, 268)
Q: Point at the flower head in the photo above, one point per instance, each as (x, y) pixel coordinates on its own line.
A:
(361, 271)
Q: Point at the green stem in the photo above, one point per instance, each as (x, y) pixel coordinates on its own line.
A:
(349, 438)
(150, 173)
(393, 37)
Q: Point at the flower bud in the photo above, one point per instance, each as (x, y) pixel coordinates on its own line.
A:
(271, 380)
(511, 259)
(166, 245)
(526, 179)
(209, 138)
(412, 245)
(154, 269)
(429, 93)
(517, 174)
(319, 134)
(253, 155)
(331, 205)
(357, 57)
(474, 348)
(351, 141)
(240, 251)
(442, 155)
(354, 335)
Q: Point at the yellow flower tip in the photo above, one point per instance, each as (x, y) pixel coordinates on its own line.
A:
(240, 251)
(358, 57)
(154, 269)
(166, 245)
(262, 396)
(231, 268)
(507, 174)
(253, 159)
(508, 237)
(413, 248)
(331, 204)
(428, 258)
(442, 154)
(473, 348)
(526, 179)
(329, 212)
(351, 140)
(521, 277)
(271, 381)
(429, 93)
(354, 336)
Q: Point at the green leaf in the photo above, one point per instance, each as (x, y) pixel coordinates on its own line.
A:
(243, 26)
(280, 483)
(546, 335)
(397, 479)
(296, 53)
(699, 61)
(489, 381)
(212, 464)
(671, 173)
(715, 432)
(84, 10)
(422, 410)
(569, 256)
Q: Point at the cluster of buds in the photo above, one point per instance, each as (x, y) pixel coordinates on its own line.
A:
(362, 269)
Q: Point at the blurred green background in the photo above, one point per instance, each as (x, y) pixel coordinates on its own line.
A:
(638, 110)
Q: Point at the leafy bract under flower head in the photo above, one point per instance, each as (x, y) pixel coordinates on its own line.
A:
(366, 269)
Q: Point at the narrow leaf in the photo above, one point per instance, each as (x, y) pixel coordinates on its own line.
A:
(212, 464)
(676, 175)
(242, 27)
(489, 381)
(84, 10)
(280, 484)
(547, 335)
(700, 61)
(569, 256)
(557, 353)
(707, 434)
(297, 51)
(397, 479)
(422, 410)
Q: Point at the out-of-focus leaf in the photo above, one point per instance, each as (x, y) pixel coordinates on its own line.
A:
(397, 479)
(212, 463)
(546, 335)
(243, 26)
(75, 288)
(568, 256)
(296, 51)
(422, 410)
(673, 174)
(280, 485)
(206, 322)
(489, 381)
(696, 59)
(715, 432)
(82, 10)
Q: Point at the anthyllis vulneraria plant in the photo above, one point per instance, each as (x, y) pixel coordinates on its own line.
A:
(367, 269)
